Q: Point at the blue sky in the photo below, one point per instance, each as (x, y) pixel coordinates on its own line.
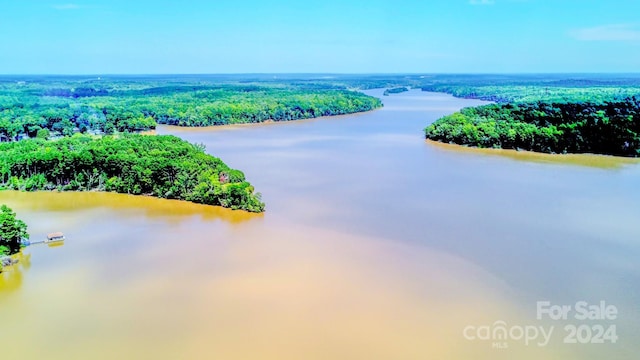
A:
(339, 36)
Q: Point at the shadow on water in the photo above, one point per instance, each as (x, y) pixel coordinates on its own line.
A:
(152, 207)
(588, 160)
(12, 277)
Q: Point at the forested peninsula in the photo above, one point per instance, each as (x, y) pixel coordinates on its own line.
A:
(544, 113)
(52, 109)
(609, 127)
(160, 166)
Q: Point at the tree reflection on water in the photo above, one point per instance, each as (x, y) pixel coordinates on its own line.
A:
(12, 276)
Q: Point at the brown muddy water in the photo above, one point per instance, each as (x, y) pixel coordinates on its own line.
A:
(375, 245)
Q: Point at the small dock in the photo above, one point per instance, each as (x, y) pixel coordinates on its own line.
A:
(55, 237)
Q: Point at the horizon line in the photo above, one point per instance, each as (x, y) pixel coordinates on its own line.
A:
(325, 73)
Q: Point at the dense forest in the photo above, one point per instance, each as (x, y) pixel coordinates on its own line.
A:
(54, 106)
(50, 107)
(161, 166)
(61, 107)
(595, 113)
(610, 127)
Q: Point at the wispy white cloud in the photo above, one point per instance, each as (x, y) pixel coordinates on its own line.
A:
(482, 2)
(66, 6)
(615, 32)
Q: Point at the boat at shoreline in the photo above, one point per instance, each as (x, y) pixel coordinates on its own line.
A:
(54, 237)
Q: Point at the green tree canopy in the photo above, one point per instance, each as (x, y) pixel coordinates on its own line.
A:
(12, 231)
(161, 166)
(612, 127)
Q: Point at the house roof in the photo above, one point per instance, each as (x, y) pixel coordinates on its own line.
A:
(55, 235)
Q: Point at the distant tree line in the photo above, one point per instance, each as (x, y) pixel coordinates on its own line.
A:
(566, 91)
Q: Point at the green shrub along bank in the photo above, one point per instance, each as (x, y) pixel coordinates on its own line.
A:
(160, 166)
(12, 231)
(610, 127)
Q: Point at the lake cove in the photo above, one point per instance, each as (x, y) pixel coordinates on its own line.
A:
(376, 245)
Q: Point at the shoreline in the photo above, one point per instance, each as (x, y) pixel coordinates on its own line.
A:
(263, 123)
(577, 159)
(96, 198)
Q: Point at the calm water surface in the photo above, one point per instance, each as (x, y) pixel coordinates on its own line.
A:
(375, 245)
